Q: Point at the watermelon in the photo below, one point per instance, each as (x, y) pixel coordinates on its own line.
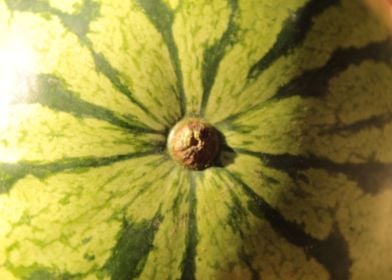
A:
(297, 184)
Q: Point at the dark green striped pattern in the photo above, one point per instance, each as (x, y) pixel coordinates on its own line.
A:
(300, 91)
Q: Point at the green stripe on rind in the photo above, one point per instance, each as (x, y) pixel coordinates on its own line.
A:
(11, 173)
(234, 222)
(40, 273)
(104, 67)
(135, 241)
(162, 18)
(189, 260)
(76, 23)
(378, 122)
(82, 209)
(36, 133)
(329, 31)
(79, 25)
(331, 252)
(214, 54)
(166, 257)
(236, 244)
(372, 176)
(336, 126)
(53, 93)
(292, 35)
(137, 53)
(315, 82)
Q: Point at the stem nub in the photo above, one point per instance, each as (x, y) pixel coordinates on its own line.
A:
(194, 143)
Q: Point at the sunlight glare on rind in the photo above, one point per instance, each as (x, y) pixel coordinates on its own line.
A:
(17, 73)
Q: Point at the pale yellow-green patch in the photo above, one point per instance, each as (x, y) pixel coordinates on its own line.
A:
(276, 128)
(258, 29)
(248, 242)
(7, 218)
(365, 222)
(95, 277)
(59, 53)
(343, 26)
(6, 275)
(197, 26)
(58, 221)
(137, 51)
(170, 241)
(173, 4)
(36, 133)
(68, 6)
(4, 15)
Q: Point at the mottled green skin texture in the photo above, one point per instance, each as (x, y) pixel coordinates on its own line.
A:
(300, 91)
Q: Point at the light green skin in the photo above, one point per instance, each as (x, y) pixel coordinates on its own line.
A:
(89, 91)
